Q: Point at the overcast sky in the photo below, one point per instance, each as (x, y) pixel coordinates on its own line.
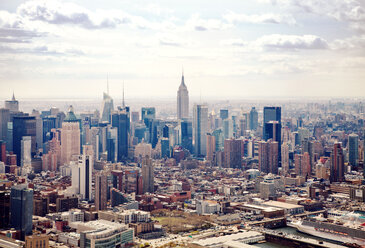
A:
(241, 48)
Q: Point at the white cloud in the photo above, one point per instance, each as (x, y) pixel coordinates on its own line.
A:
(234, 42)
(198, 24)
(270, 18)
(291, 42)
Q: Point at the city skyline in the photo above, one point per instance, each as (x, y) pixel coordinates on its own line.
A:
(262, 48)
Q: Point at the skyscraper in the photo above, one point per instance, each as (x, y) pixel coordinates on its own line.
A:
(186, 135)
(22, 209)
(70, 137)
(200, 129)
(107, 108)
(254, 119)
(12, 105)
(101, 189)
(271, 114)
(23, 126)
(285, 158)
(337, 169)
(210, 147)
(223, 114)
(121, 120)
(82, 176)
(353, 149)
(268, 156)
(182, 100)
(147, 175)
(302, 164)
(273, 132)
(233, 153)
(26, 148)
(4, 119)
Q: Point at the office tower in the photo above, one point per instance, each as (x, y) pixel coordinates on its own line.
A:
(254, 119)
(337, 169)
(39, 128)
(117, 197)
(4, 119)
(112, 144)
(147, 175)
(101, 189)
(117, 179)
(227, 129)
(26, 147)
(21, 209)
(186, 129)
(147, 114)
(135, 116)
(121, 120)
(49, 123)
(233, 153)
(165, 147)
(285, 158)
(302, 164)
(268, 156)
(154, 130)
(12, 105)
(223, 114)
(219, 139)
(273, 132)
(182, 100)
(200, 129)
(210, 147)
(107, 108)
(2, 151)
(70, 137)
(271, 114)
(82, 176)
(353, 149)
(23, 126)
(4, 209)
(139, 131)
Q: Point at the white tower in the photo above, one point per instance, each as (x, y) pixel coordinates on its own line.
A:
(182, 100)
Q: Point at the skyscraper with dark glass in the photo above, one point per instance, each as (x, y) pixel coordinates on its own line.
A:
(121, 120)
(353, 149)
(254, 117)
(186, 130)
(23, 126)
(22, 209)
(271, 114)
(337, 170)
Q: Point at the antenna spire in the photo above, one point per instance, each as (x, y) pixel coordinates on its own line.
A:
(107, 84)
(123, 95)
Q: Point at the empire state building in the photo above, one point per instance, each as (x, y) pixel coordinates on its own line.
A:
(182, 100)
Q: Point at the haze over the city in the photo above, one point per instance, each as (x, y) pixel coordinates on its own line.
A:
(229, 49)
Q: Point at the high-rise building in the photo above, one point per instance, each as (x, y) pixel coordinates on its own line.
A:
(101, 189)
(353, 149)
(302, 164)
(23, 126)
(182, 100)
(254, 119)
(4, 209)
(223, 114)
(70, 137)
(107, 108)
(147, 114)
(219, 139)
(26, 155)
(233, 153)
(112, 144)
(285, 158)
(227, 129)
(165, 147)
(121, 120)
(273, 131)
(147, 175)
(12, 105)
(271, 114)
(337, 170)
(210, 147)
(49, 123)
(22, 209)
(4, 119)
(200, 129)
(186, 135)
(268, 156)
(82, 176)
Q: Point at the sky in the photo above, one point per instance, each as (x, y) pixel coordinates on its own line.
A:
(227, 49)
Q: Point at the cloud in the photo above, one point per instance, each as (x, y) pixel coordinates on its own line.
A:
(198, 24)
(351, 43)
(292, 42)
(270, 18)
(55, 12)
(233, 42)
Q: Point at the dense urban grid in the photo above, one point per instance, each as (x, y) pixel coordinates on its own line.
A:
(218, 174)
